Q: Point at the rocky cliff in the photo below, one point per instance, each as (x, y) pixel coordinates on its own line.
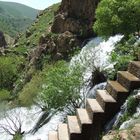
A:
(76, 16)
(63, 31)
(57, 32)
(73, 22)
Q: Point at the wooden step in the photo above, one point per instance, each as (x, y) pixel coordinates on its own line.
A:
(108, 103)
(96, 113)
(128, 80)
(53, 135)
(134, 68)
(74, 128)
(104, 98)
(63, 132)
(83, 117)
(117, 91)
(85, 123)
(93, 108)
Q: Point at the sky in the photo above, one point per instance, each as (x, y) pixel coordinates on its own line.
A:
(37, 4)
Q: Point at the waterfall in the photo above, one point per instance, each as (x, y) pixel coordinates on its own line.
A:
(134, 119)
(93, 54)
(115, 121)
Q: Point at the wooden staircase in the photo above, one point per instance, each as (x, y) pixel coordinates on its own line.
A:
(88, 123)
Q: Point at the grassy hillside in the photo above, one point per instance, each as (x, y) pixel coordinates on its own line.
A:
(15, 59)
(15, 17)
(38, 28)
(17, 10)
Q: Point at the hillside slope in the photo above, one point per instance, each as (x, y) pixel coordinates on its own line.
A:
(41, 26)
(15, 17)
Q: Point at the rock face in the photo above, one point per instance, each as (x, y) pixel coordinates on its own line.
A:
(133, 134)
(2, 40)
(76, 16)
(60, 46)
(73, 23)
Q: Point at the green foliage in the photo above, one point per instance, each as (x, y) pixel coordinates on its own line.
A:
(9, 70)
(17, 137)
(4, 95)
(13, 26)
(132, 104)
(117, 17)
(15, 18)
(55, 87)
(30, 91)
(61, 86)
(17, 10)
(41, 26)
(125, 51)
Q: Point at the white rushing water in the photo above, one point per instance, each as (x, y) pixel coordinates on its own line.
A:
(95, 53)
(134, 119)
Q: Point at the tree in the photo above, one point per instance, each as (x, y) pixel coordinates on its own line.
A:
(61, 91)
(117, 17)
(61, 88)
(9, 70)
(12, 124)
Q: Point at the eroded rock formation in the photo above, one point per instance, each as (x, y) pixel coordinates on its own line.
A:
(76, 16)
(60, 46)
(72, 24)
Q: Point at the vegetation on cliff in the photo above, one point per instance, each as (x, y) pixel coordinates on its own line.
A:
(41, 26)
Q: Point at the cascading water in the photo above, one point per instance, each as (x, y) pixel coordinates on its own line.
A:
(116, 120)
(134, 119)
(94, 54)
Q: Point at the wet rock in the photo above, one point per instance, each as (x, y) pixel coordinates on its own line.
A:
(98, 77)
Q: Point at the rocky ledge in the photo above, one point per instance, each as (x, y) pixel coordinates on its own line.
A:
(132, 133)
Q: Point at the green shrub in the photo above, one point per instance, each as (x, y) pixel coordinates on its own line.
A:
(9, 70)
(61, 86)
(17, 137)
(4, 94)
(124, 51)
(132, 105)
(30, 91)
(117, 17)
